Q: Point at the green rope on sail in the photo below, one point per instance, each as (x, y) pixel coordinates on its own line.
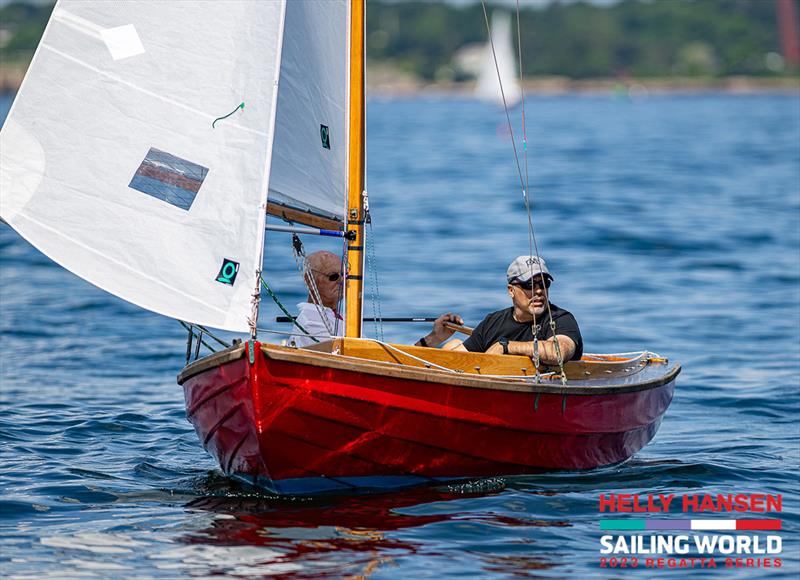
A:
(241, 106)
(286, 312)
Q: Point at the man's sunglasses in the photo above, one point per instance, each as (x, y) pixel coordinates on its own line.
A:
(529, 284)
(332, 277)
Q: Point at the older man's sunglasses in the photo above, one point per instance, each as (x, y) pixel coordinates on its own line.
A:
(332, 277)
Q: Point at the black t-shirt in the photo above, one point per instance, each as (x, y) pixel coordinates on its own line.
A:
(502, 324)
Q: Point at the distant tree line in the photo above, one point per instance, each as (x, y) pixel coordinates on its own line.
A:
(581, 40)
(641, 38)
(21, 27)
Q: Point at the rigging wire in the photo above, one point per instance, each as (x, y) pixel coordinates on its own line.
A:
(524, 183)
(191, 337)
(503, 94)
(372, 266)
(343, 269)
(308, 277)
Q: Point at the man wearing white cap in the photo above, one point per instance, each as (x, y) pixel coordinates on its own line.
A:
(510, 331)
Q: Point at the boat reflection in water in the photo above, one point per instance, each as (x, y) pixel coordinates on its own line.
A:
(353, 535)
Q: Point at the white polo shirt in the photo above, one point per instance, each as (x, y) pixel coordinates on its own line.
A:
(309, 318)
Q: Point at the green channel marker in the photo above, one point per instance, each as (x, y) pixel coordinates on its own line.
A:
(623, 524)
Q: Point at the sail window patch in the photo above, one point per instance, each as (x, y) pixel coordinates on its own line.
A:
(227, 274)
(324, 134)
(169, 178)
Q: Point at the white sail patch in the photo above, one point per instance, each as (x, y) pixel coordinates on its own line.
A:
(122, 41)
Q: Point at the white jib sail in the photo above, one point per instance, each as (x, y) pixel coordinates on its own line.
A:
(309, 159)
(111, 163)
(488, 86)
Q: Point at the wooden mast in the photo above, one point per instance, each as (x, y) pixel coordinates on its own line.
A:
(354, 285)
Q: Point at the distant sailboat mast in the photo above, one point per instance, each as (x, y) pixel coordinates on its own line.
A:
(488, 85)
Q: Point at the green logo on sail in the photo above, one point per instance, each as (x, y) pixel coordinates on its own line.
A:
(325, 136)
(227, 274)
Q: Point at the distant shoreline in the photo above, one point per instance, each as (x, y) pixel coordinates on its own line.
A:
(382, 82)
(629, 87)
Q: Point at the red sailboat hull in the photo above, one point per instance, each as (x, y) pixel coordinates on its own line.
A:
(294, 427)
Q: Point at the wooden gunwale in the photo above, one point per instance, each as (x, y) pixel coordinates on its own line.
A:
(217, 359)
(380, 368)
(482, 364)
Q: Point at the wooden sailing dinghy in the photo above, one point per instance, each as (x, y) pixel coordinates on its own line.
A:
(355, 415)
(152, 177)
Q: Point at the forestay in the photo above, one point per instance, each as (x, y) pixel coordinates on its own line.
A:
(110, 164)
(309, 160)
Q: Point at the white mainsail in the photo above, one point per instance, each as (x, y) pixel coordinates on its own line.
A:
(309, 158)
(113, 162)
(488, 86)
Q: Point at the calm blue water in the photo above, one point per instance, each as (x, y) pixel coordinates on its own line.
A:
(671, 223)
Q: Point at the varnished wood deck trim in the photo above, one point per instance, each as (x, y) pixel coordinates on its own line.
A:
(604, 371)
(394, 370)
(215, 360)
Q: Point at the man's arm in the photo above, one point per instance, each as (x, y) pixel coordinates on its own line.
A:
(440, 332)
(547, 349)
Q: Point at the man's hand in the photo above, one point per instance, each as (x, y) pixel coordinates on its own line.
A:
(440, 332)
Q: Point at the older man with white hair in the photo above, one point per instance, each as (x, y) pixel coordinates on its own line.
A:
(510, 331)
(319, 315)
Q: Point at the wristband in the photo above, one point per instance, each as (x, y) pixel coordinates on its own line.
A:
(422, 342)
(504, 343)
